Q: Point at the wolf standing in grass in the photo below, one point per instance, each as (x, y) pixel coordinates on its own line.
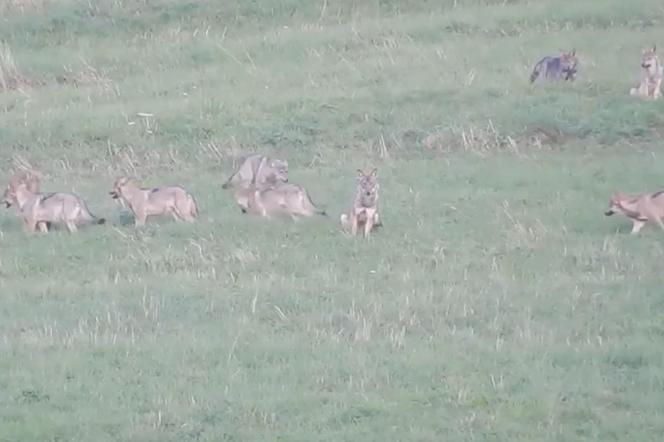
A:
(638, 208)
(562, 67)
(40, 210)
(143, 203)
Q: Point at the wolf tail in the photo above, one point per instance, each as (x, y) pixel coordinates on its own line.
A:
(193, 206)
(89, 217)
(310, 206)
(95, 219)
(536, 70)
(228, 182)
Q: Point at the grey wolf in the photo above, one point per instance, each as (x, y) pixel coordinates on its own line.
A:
(364, 213)
(561, 67)
(277, 199)
(41, 210)
(638, 208)
(258, 170)
(173, 200)
(651, 76)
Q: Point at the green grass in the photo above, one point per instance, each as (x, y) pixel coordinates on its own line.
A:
(498, 303)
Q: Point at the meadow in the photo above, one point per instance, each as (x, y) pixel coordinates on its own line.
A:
(497, 304)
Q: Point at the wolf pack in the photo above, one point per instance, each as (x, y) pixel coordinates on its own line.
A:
(261, 186)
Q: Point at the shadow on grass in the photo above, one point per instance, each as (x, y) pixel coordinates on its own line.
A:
(126, 218)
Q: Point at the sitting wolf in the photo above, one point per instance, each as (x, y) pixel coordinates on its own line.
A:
(652, 73)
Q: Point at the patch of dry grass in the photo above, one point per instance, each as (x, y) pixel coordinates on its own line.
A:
(23, 6)
(11, 77)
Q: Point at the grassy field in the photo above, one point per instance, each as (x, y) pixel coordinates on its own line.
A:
(497, 304)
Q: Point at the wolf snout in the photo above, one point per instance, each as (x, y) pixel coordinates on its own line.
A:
(609, 212)
(645, 66)
(113, 194)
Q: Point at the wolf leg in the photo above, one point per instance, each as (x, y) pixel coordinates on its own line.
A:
(637, 226)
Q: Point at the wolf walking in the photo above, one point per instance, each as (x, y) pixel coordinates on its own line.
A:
(41, 210)
(143, 203)
(638, 208)
(554, 68)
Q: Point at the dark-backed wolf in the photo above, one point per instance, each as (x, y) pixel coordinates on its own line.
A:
(554, 68)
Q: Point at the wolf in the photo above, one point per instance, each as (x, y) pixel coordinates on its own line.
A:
(651, 76)
(562, 67)
(277, 199)
(40, 211)
(364, 212)
(143, 203)
(639, 208)
(258, 170)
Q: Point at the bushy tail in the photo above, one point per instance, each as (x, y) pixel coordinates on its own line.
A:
(94, 220)
(536, 70)
(90, 218)
(227, 184)
(309, 205)
(230, 182)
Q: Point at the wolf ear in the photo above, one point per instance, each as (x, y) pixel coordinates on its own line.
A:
(374, 172)
(573, 52)
(360, 173)
(654, 48)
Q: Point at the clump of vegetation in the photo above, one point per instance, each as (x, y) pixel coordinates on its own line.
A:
(10, 76)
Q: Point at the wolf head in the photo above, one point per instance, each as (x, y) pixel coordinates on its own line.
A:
(278, 171)
(367, 187)
(120, 185)
(616, 203)
(568, 64)
(650, 61)
(22, 180)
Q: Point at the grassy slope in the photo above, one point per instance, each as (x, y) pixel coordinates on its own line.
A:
(497, 304)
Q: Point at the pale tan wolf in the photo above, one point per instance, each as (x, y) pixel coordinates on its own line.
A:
(364, 213)
(258, 170)
(651, 76)
(277, 199)
(639, 208)
(562, 67)
(173, 200)
(42, 210)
